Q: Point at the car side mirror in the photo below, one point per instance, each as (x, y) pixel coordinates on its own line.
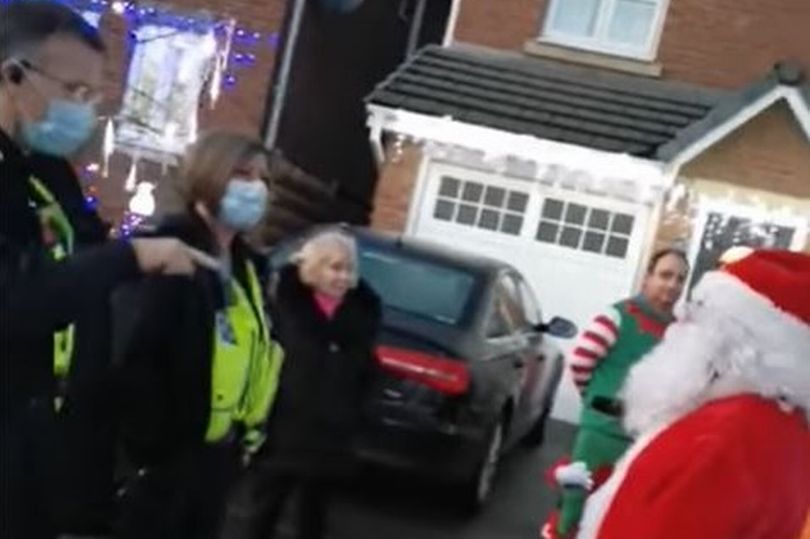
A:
(559, 327)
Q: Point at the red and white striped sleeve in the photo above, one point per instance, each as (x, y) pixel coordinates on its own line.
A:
(593, 345)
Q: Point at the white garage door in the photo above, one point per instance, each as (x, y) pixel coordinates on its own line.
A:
(579, 252)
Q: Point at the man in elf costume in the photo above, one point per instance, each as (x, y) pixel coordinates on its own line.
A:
(721, 411)
(600, 361)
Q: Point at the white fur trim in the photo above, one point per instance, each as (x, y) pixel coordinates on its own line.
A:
(599, 502)
(764, 320)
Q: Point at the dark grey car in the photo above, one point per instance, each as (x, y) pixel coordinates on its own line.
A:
(465, 368)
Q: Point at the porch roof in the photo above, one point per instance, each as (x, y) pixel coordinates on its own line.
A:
(583, 106)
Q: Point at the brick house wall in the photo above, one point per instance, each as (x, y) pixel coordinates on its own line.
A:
(240, 108)
(505, 24)
(746, 157)
(395, 188)
(721, 43)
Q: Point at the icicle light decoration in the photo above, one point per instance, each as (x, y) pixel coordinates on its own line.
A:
(108, 147)
(132, 177)
(221, 63)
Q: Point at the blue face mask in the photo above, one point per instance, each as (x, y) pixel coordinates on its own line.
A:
(66, 127)
(244, 204)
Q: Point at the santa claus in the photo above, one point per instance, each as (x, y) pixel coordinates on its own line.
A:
(721, 413)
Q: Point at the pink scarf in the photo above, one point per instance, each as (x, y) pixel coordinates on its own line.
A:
(327, 304)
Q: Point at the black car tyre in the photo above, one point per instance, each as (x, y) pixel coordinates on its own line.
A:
(477, 491)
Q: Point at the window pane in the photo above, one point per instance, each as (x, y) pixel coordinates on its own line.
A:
(165, 83)
(576, 17)
(594, 241)
(433, 291)
(449, 187)
(444, 210)
(489, 219)
(547, 232)
(517, 201)
(617, 247)
(472, 192)
(553, 209)
(599, 219)
(467, 215)
(570, 237)
(530, 306)
(632, 22)
(575, 214)
(622, 224)
(507, 305)
(512, 224)
(495, 197)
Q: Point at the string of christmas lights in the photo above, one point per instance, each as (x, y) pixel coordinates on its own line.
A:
(235, 47)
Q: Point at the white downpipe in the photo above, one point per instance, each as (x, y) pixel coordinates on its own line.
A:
(452, 21)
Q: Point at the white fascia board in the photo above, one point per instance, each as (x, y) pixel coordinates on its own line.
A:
(496, 143)
(800, 108)
(790, 94)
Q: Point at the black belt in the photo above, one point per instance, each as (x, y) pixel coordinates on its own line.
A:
(608, 406)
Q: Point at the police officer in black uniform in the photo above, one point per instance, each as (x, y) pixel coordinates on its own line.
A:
(57, 272)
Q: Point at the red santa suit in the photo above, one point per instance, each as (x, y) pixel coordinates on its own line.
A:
(720, 410)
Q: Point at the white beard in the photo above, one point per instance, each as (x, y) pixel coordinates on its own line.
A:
(705, 356)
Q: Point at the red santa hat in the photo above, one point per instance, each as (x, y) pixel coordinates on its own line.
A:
(767, 292)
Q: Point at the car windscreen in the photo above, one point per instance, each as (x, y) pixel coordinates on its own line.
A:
(418, 287)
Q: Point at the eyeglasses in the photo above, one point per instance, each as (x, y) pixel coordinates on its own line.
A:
(76, 91)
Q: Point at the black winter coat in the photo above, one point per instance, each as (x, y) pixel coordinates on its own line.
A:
(63, 462)
(165, 350)
(325, 379)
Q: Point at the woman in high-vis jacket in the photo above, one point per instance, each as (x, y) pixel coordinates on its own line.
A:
(198, 367)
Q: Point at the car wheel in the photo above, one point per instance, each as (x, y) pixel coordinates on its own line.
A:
(479, 489)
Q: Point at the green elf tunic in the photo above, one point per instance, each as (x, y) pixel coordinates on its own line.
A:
(600, 362)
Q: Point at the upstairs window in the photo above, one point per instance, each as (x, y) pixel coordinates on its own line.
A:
(622, 27)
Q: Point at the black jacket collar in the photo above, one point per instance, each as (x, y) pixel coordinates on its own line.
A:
(19, 221)
(10, 153)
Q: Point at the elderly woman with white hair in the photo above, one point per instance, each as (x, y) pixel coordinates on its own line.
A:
(326, 320)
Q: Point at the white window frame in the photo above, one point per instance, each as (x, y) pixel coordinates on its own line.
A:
(600, 43)
(585, 227)
(427, 193)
